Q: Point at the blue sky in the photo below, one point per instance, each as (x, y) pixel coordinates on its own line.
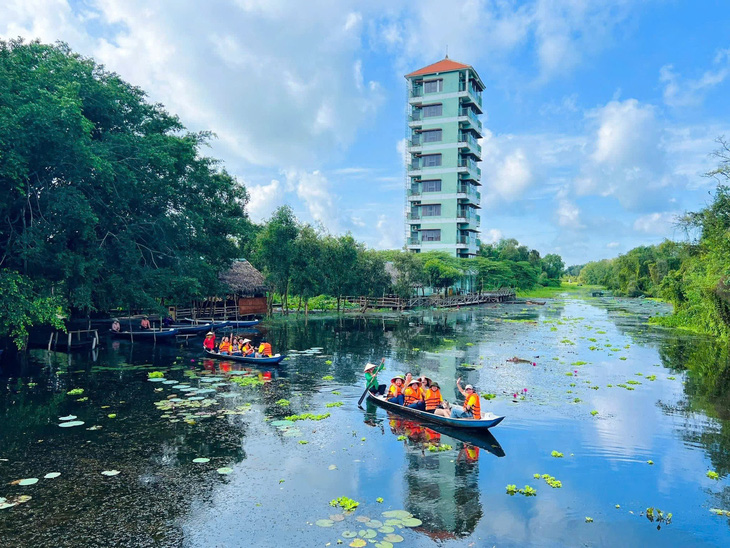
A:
(600, 116)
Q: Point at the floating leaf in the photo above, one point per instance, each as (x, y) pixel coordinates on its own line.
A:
(28, 481)
(589, 520)
(110, 472)
(412, 522)
(112, 415)
(713, 475)
(358, 543)
(369, 533)
(324, 523)
(393, 538)
(337, 517)
(374, 523)
(52, 475)
(224, 471)
(386, 529)
(349, 534)
(379, 499)
(70, 424)
(384, 544)
(398, 514)
(67, 418)
(201, 460)
(362, 519)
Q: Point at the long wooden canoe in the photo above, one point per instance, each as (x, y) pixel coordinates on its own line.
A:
(187, 329)
(273, 360)
(471, 424)
(146, 334)
(214, 324)
(243, 323)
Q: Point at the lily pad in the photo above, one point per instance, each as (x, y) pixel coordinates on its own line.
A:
(383, 544)
(412, 522)
(349, 534)
(362, 519)
(224, 471)
(67, 418)
(358, 543)
(369, 533)
(69, 424)
(386, 529)
(52, 475)
(324, 523)
(110, 473)
(4, 505)
(201, 460)
(398, 514)
(337, 517)
(393, 538)
(374, 523)
(282, 423)
(28, 481)
(393, 522)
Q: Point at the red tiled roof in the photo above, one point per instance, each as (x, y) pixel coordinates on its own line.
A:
(445, 65)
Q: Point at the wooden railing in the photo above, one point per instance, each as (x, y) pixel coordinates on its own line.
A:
(432, 301)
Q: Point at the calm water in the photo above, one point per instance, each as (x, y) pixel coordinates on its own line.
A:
(677, 417)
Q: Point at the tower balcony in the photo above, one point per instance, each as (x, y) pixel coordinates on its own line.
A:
(469, 165)
(470, 143)
(469, 94)
(470, 118)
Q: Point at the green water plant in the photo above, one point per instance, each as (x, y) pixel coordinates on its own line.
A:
(713, 475)
(155, 375)
(556, 454)
(594, 412)
(247, 381)
(283, 402)
(75, 392)
(334, 404)
(328, 378)
(489, 396)
(307, 416)
(346, 503)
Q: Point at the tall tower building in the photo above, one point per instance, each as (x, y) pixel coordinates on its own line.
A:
(445, 101)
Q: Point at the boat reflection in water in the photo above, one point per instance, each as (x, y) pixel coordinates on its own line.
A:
(442, 490)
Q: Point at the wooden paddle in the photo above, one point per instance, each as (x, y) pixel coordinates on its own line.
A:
(359, 402)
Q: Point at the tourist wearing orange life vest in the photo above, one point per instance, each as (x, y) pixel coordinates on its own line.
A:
(264, 350)
(471, 408)
(225, 346)
(395, 393)
(247, 349)
(435, 401)
(413, 397)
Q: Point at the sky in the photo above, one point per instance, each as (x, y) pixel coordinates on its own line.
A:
(600, 116)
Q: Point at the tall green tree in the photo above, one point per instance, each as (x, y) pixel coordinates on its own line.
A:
(275, 251)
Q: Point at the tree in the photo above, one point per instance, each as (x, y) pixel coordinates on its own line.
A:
(307, 266)
(439, 274)
(409, 274)
(275, 243)
(341, 258)
(552, 265)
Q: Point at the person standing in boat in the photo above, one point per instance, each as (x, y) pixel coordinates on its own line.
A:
(145, 323)
(115, 326)
(371, 378)
(413, 397)
(209, 342)
(395, 392)
(472, 408)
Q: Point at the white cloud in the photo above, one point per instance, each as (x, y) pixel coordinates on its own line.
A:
(491, 235)
(568, 214)
(656, 223)
(401, 147)
(313, 190)
(264, 199)
(689, 92)
(612, 245)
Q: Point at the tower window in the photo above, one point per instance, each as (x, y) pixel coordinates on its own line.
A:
(429, 111)
(433, 86)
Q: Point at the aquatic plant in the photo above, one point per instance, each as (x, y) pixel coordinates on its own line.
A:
(713, 475)
(283, 403)
(328, 378)
(441, 447)
(75, 392)
(328, 362)
(579, 363)
(346, 503)
(720, 512)
(307, 416)
(589, 519)
(489, 396)
(379, 499)
(155, 375)
(594, 412)
(247, 381)
(303, 442)
(336, 392)
(654, 514)
(650, 462)
(334, 404)
(556, 454)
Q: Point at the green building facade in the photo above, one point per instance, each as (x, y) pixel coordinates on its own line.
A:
(443, 155)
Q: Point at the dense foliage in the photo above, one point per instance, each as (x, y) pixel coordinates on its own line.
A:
(106, 200)
(693, 275)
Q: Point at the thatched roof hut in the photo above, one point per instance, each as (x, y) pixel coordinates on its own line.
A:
(243, 279)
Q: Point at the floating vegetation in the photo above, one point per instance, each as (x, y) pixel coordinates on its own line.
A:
(224, 471)
(671, 378)
(716, 511)
(589, 519)
(651, 377)
(75, 392)
(402, 438)
(713, 475)
(441, 447)
(577, 400)
(52, 475)
(526, 490)
(83, 399)
(622, 358)
(489, 396)
(416, 349)
(347, 504)
(201, 460)
(654, 514)
(67, 418)
(556, 454)
(70, 424)
(334, 404)
(155, 375)
(306, 416)
(247, 381)
(632, 381)
(283, 403)
(324, 523)
(303, 442)
(328, 378)
(594, 412)
(452, 340)
(112, 415)
(579, 363)
(328, 362)
(379, 500)
(110, 473)
(550, 480)
(650, 462)
(567, 341)
(336, 392)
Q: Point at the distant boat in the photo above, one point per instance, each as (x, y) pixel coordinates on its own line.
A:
(146, 334)
(273, 360)
(212, 324)
(471, 424)
(187, 329)
(243, 323)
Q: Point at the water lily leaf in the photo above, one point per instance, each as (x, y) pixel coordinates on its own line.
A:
(28, 481)
(4, 505)
(374, 523)
(67, 418)
(393, 522)
(52, 475)
(69, 424)
(23, 498)
(358, 543)
(412, 522)
(110, 473)
(393, 538)
(362, 519)
(349, 534)
(332, 467)
(384, 544)
(337, 517)
(324, 523)
(224, 471)
(399, 514)
(370, 533)
(201, 460)
(386, 529)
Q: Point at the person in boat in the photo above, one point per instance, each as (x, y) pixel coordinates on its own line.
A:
(225, 346)
(435, 401)
(236, 347)
(115, 326)
(395, 392)
(247, 349)
(145, 323)
(167, 321)
(413, 397)
(371, 378)
(264, 350)
(472, 408)
(209, 342)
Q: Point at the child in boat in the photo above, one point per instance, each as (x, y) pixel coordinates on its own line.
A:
(225, 347)
(413, 397)
(371, 378)
(395, 392)
(472, 408)
(209, 342)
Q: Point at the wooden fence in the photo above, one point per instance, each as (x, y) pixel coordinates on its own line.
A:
(432, 301)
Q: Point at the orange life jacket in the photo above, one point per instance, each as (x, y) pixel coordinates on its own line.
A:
(395, 390)
(265, 349)
(472, 453)
(224, 347)
(412, 395)
(474, 405)
(433, 399)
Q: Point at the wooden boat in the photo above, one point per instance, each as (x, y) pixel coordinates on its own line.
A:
(243, 323)
(471, 424)
(146, 334)
(187, 329)
(211, 324)
(273, 360)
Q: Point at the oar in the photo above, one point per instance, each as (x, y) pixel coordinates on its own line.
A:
(359, 402)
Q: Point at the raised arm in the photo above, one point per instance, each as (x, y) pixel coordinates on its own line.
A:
(458, 385)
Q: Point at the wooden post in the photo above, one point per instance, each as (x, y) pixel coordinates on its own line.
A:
(50, 340)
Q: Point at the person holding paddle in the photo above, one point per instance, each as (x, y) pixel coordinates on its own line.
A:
(371, 378)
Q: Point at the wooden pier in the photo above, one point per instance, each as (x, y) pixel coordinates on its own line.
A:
(433, 301)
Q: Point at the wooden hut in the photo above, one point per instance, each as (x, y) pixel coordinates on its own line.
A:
(248, 287)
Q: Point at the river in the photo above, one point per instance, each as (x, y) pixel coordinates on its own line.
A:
(639, 414)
